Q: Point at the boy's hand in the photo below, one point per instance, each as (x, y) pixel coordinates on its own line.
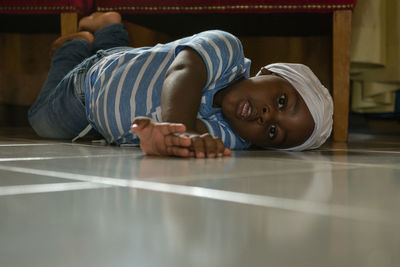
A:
(206, 146)
(171, 139)
(161, 139)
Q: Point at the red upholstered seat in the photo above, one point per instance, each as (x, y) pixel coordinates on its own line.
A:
(223, 6)
(67, 9)
(44, 6)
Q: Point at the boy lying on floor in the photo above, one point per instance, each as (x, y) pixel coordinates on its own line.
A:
(188, 98)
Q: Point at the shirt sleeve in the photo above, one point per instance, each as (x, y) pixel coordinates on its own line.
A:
(221, 129)
(221, 52)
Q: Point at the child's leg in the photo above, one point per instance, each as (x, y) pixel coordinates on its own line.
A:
(58, 111)
(111, 36)
(88, 36)
(66, 57)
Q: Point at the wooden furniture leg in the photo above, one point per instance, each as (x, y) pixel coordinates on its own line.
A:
(341, 73)
(69, 23)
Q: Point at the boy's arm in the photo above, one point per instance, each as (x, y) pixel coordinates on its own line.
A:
(182, 90)
(180, 101)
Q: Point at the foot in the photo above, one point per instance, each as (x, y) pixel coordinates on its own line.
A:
(98, 20)
(61, 40)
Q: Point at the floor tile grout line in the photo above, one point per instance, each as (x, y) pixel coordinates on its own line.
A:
(66, 157)
(63, 144)
(47, 188)
(215, 194)
(28, 144)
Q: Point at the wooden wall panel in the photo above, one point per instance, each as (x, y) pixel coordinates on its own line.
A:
(24, 65)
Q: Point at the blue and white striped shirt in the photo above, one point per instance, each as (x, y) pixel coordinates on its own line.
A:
(128, 84)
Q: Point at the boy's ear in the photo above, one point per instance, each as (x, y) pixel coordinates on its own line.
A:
(264, 71)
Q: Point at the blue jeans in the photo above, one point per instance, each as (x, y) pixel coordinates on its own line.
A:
(59, 110)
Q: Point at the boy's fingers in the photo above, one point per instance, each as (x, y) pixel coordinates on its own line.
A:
(169, 128)
(198, 147)
(178, 151)
(177, 140)
(140, 123)
(210, 146)
(207, 146)
(220, 148)
(181, 141)
(227, 152)
(177, 128)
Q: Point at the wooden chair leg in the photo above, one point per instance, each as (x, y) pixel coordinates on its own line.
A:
(69, 23)
(341, 73)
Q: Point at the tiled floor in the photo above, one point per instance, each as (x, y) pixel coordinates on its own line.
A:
(64, 204)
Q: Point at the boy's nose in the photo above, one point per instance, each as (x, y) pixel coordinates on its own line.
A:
(265, 115)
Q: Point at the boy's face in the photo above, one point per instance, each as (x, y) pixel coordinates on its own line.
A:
(267, 111)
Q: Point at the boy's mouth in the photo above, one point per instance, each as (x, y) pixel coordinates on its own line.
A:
(245, 110)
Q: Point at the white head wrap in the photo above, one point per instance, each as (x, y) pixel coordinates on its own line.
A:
(316, 97)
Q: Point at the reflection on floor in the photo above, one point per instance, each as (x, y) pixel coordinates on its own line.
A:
(87, 204)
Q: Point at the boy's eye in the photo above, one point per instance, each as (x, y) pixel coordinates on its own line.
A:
(272, 131)
(282, 101)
